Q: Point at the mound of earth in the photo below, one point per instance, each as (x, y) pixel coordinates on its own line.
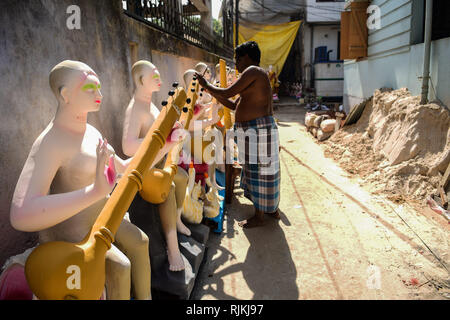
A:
(399, 145)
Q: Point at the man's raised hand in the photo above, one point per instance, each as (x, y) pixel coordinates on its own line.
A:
(201, 80)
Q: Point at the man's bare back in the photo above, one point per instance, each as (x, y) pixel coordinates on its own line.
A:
(255, 100)
(255, 94)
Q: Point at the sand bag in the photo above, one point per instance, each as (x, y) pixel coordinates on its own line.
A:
(319, 120)
(323, 135)
(328, 125)
(309, 119)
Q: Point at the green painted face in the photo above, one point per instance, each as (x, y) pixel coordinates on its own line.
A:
(156, 76)
(91, 86)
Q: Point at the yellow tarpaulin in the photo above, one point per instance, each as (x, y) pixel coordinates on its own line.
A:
(275, 41)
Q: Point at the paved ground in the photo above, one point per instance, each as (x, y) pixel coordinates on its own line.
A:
(335, 239)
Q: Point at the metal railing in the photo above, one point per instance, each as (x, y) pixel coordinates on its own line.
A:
(184, 22)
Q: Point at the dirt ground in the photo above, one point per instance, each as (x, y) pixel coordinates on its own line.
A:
(335, 240)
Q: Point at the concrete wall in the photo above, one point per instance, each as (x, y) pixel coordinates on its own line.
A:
(327, 36)
(33, 38)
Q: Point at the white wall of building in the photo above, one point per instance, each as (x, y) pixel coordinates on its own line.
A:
(327, 36)
(322, 26)
(399, 70)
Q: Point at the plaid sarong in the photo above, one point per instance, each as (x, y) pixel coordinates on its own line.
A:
(258, 145)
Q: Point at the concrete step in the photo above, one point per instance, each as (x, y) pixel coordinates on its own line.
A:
(167, 284)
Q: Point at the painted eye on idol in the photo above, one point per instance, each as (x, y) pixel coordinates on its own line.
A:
(90, 87)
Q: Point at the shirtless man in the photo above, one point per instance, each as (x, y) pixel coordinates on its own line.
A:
(63, 188)
(254, 111)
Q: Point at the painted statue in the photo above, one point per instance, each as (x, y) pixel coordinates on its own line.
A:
(67, 177)
(274, 83)
(140, 115)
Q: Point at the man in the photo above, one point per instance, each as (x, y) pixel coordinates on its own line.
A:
(254, 112)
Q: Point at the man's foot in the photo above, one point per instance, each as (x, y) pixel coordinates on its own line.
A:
(176, 262)
(275, 215)
(254, 221)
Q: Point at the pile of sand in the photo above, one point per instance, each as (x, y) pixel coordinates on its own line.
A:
(400, 146)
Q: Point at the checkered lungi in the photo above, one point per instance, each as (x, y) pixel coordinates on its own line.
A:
(258, 145)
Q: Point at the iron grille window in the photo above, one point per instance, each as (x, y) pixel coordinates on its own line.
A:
(184, 22)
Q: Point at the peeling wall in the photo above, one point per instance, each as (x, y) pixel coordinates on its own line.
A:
(33, 38)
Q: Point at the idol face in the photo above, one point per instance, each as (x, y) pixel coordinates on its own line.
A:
(87, 96)
(208, 75)
(152, 81)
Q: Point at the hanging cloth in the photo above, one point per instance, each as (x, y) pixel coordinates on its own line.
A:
(274, 41)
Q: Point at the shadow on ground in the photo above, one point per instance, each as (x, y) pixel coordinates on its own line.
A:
(291, 114)
(268, 268)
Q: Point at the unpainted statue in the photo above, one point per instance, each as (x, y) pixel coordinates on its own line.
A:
(231, 77)
(202, 68)
(203, 132)
(211, 207)
(139, 117)
(193, 205)
(67, 177)
(203, 106)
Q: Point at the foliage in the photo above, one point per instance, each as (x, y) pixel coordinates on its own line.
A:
(217, 27)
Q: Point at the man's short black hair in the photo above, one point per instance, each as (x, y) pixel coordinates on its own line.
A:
(251, 48)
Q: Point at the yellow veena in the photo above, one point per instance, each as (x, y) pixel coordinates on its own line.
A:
(157, 182)
(223, 84)
(49, 267)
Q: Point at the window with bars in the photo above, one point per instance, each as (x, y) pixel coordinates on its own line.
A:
(183, 21)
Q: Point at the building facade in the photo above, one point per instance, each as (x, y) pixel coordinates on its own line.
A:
(395, 52)
(322, 68)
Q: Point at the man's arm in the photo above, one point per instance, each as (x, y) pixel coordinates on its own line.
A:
(228, 103)
(244, 81)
